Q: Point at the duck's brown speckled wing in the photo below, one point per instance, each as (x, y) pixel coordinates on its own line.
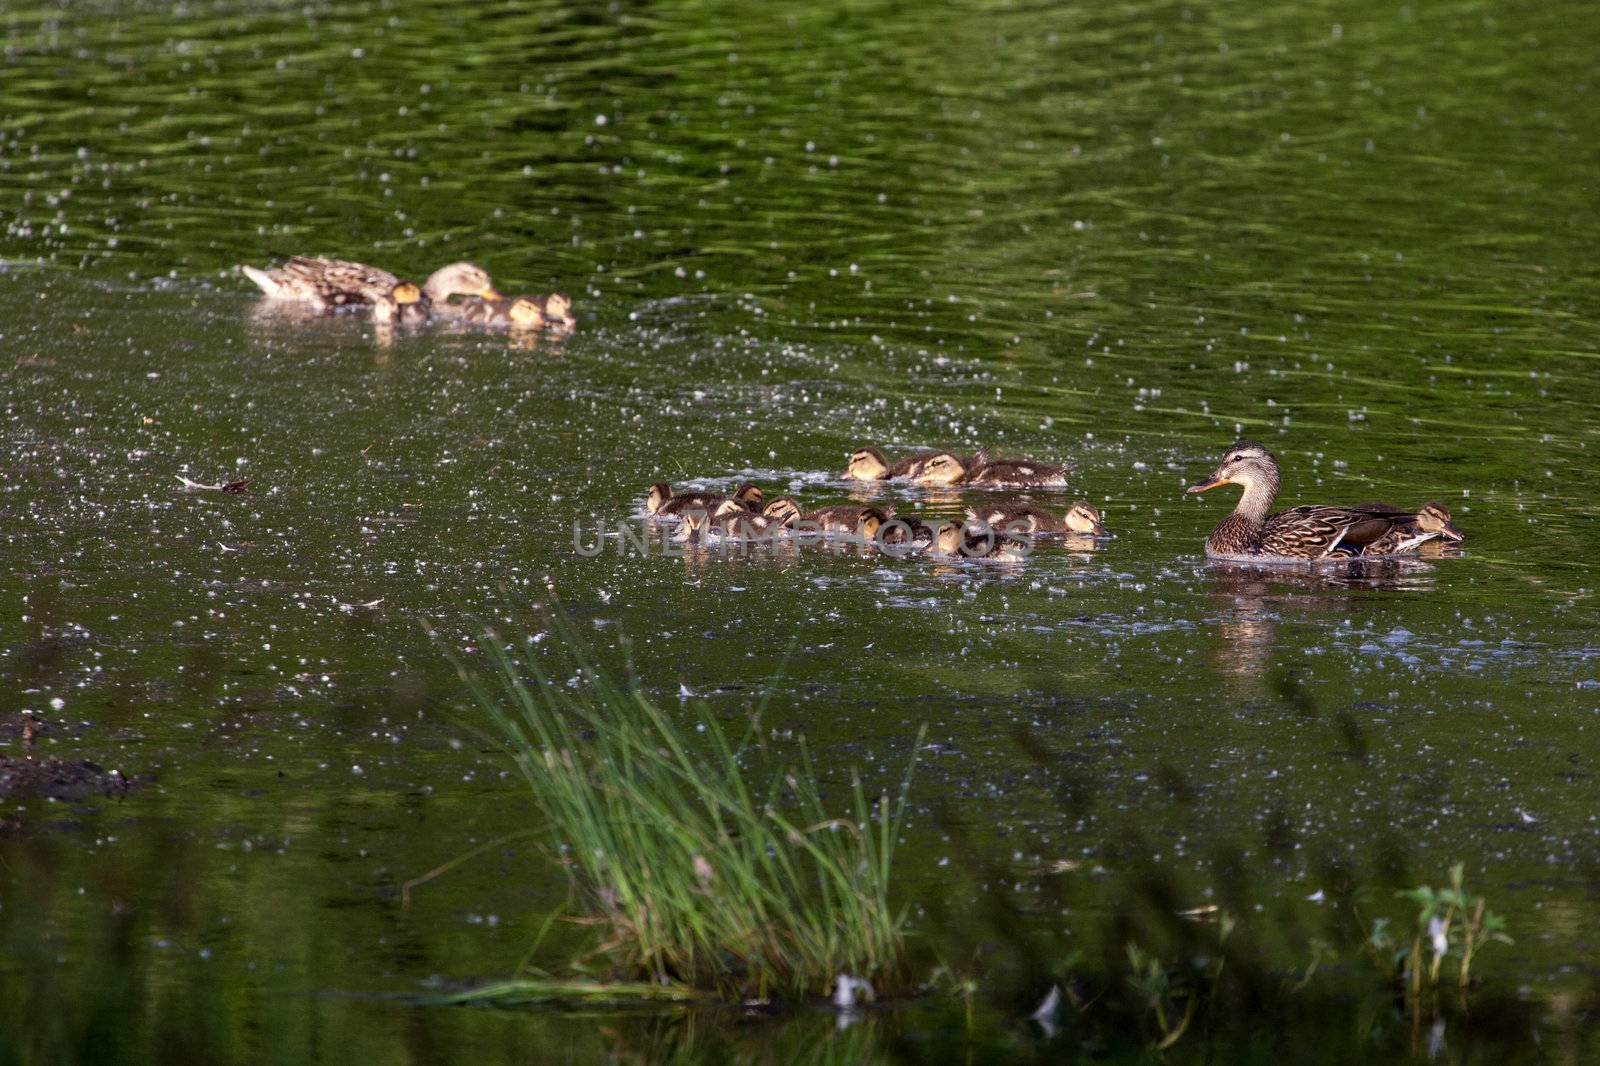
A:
(1313, 532)
(335, 282)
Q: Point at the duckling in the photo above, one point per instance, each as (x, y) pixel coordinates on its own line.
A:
(1433, 522)
(1023, 517)
(902, 536)
(1016, 473)
(521, 312)
(951, 539)
(661, 501)
(863, 522)
(405, 305)
(732, 519)
(781, 512)
(557, 310)
(924, 468)
(327, 284)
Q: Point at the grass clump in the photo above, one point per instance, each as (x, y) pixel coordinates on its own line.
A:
(692, 873)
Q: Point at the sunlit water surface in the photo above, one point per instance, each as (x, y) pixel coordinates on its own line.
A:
(1121, 236)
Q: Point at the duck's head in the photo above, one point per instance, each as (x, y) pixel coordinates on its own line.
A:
(748, 496)
(870, 521)
(525, 313)
(460, 279)
(866, 464)
(781, 511)
(1085, 519)
(694, 521)
(558, 308)
(657, 497)
(1246, 463)
(942, 469)
(948, 539)
(729, 509)
(1435, 519)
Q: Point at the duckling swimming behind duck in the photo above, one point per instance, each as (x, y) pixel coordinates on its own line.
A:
(521, 312)
(557, 310)
(1432, 523)
(1020, 516)
(405, 305)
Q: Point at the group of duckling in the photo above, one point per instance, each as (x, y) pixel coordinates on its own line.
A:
(1004, 529)
(338, 284)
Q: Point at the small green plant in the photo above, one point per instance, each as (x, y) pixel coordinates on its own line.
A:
(1452, 924)
(693, 875)
(1161, 987)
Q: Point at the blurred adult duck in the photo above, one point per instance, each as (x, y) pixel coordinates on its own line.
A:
(328, 284)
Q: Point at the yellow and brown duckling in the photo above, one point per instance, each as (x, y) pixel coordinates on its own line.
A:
(954, 539)
(1317, 531)
(924, 468)
(661, 501)
(1020, 516)
(404, 305)
(518, 312)
(1016, 474)
(328, 284)
(863, 522)
(733, 519)
(902, 536)
(1433, 523)
(557, 311)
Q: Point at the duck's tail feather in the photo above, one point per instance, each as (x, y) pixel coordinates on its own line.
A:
(263, 279)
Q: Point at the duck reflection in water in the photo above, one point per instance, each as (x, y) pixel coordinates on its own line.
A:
(1255, 598)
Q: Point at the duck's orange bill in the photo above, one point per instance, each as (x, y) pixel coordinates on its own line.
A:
(488, 293)
(1207, 485)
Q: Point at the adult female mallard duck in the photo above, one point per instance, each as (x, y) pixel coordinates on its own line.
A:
(328, 284)
(1023, 517)
(1318, 531)
(925, 468)
(660, 500)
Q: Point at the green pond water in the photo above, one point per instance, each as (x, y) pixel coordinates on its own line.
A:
(1118, 234)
